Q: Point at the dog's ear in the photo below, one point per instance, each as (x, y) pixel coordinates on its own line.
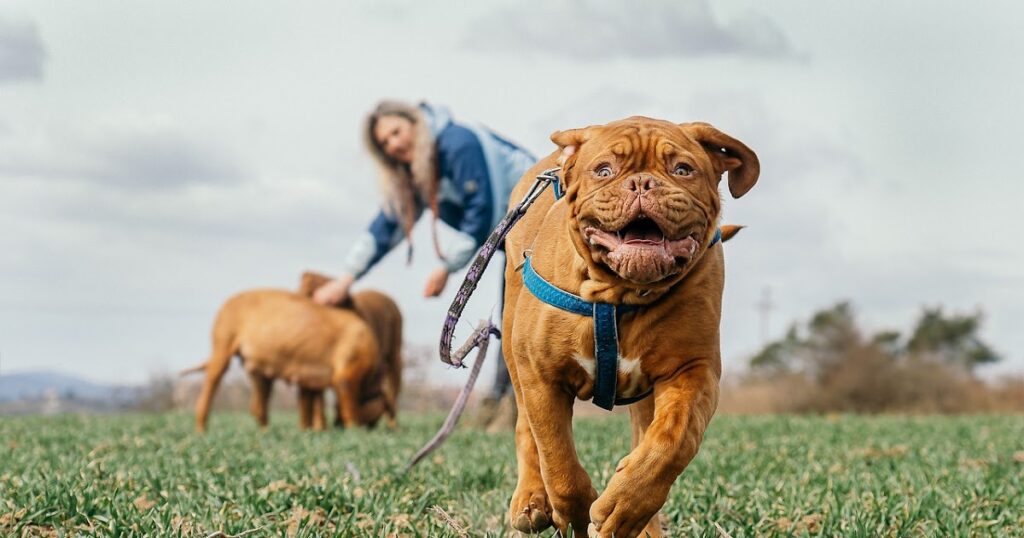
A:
(570, 139)
(569, 142)
(728, 155)
(310, 282)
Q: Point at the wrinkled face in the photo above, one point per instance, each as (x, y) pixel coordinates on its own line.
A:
(394, 135)
(645, 199)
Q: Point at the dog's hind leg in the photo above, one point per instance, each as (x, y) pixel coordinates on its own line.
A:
(260, 398)
(215, 368)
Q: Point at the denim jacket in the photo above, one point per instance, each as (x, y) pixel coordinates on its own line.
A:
(478, 170)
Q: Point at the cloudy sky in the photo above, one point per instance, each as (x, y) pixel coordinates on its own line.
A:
(155, 159)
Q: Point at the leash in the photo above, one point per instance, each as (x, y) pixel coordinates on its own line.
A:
(476, 270)
(480, 339)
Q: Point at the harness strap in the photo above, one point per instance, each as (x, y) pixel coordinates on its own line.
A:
(606, 334)
(606, 330)
(606, 353)
(547, 292)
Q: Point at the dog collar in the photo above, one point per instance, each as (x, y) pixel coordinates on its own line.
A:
(606, 331)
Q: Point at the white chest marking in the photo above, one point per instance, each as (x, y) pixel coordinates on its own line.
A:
(588, 364)
(627, 367)
(631, 369)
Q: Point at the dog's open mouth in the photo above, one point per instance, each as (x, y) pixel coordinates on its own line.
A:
(640, 251)
(642, 234)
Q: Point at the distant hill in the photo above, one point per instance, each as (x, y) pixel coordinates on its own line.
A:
(55, 392)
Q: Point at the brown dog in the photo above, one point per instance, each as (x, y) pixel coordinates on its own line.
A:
(635, 227)
(281, 334)
(385, 320)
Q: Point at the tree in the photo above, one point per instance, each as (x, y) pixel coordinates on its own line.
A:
(952, 339)
(825, 340)
(828, 364)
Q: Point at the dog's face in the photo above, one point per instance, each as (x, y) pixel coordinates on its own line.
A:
(644, 195)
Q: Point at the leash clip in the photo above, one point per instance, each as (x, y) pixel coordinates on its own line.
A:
(545, 178)
(526, 254)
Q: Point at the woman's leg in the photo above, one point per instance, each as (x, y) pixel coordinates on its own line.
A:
(502, 382)
(504, 412)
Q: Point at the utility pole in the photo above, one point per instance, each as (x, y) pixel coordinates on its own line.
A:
(765, 307)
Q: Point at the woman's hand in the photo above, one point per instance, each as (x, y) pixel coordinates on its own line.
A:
(335, 291)
(436, 282)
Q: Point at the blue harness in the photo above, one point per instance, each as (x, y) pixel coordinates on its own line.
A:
(606, 332)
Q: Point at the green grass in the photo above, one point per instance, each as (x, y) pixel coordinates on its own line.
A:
(143, 475)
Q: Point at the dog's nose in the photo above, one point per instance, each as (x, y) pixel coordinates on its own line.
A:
(640, 183)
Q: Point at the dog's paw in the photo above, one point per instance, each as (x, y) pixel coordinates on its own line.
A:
(652, 530)
(624, 513)
(530, 510)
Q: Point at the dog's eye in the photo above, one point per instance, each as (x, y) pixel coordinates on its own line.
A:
(682, 169)
(605, 170)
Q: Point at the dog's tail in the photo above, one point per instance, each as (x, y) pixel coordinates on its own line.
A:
(192, 370)
(730, 230)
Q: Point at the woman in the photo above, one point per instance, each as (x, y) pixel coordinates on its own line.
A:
(462, 172)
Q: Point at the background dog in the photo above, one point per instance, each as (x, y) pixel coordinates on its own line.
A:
(385, 320)
(279, 334)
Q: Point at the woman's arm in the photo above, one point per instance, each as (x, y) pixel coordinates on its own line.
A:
(382, 235)
(468, 171)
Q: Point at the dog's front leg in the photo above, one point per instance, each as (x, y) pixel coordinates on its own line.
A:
(260, 397)
(305, 408)
(683, 406)
(317, 411)
(346, 388)
(529, 508)
(549, 412)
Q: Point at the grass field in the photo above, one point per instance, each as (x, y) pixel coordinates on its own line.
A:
(755, 476)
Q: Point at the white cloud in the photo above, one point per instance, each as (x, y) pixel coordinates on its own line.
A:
(598, 31)
(131, 157)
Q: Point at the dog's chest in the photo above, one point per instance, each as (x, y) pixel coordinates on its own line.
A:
(561, 345)
(631, 380)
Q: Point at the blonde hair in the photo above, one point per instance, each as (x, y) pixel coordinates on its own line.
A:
(400, 182)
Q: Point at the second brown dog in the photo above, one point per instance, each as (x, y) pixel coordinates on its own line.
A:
(282, 334)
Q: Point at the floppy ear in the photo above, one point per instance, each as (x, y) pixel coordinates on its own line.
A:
(310, 282)
(728, 155)
(569, 142)
(571, 138)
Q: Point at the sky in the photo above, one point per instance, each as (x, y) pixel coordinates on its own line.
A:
(156, 158)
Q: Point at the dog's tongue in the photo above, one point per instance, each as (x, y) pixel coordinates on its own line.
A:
(644, 231)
